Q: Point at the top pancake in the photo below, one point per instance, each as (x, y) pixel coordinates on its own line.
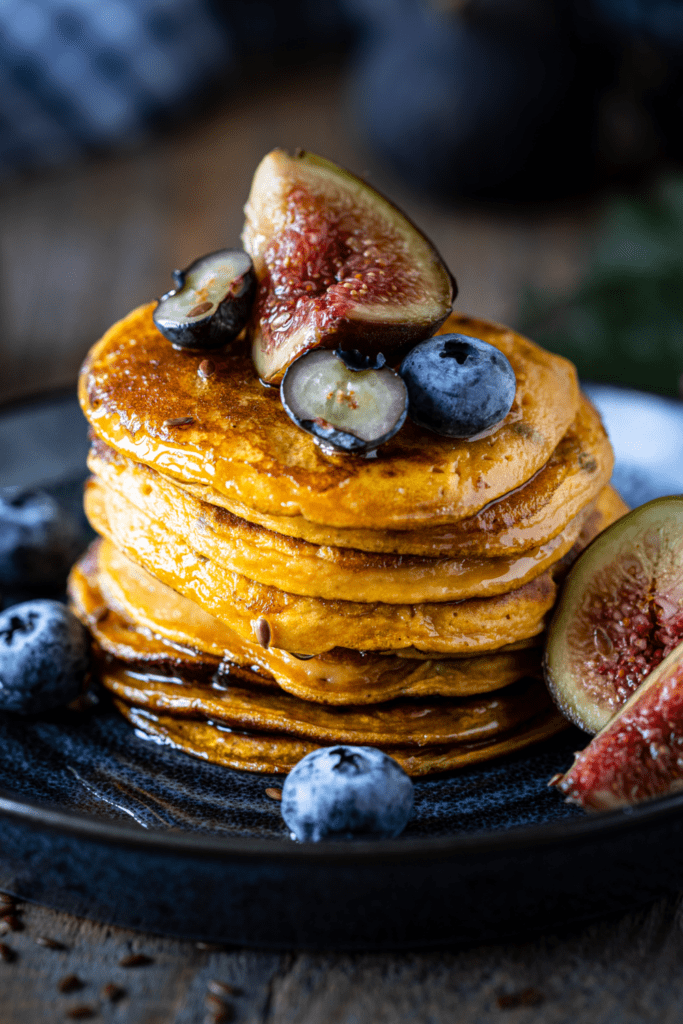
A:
(228, 432)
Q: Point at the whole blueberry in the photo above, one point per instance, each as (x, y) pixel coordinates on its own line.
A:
(457, 385)
(44, 655)
(38, 541)
(346, 792)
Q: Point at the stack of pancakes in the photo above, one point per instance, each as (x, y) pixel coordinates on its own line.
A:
(254, 596)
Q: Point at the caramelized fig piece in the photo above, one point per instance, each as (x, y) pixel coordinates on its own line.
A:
(351, 410)
(620, 614)
(639, 753)
(338, 266)
(211, 303)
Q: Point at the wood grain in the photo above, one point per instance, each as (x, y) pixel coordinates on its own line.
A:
(621, 971)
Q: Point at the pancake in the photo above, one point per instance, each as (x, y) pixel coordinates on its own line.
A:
(263, 752)
(400, 723)
(311, 570)
(135, 618)
(310, 626)
(531, 514)
(146, 399)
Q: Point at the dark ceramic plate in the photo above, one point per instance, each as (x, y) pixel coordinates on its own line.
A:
(101, 822)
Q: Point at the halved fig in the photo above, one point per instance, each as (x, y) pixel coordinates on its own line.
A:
(639, 753)
(211, 302)
(338, 266)
(351, 410)
(620, 613)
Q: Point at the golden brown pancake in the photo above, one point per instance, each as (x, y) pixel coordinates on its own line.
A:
(400, 723)
(137, 619)
(305, 625)
(263, 752)
(147, 400)
(311, 570)
(536, 512)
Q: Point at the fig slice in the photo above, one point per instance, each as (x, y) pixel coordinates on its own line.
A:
(211, 302)
(342, 404)
(620, 614)
(639, 753)
(338, 266)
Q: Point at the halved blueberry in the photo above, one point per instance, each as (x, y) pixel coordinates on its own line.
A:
(346, 792)
(44, 656)
(211, 303)
(458, 386)
(351, 409)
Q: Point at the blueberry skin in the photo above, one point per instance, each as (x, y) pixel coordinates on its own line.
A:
(457, 385)
(38, 541)
(44, 656)
(346, 793)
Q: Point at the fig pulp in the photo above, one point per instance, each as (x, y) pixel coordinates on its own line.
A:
(639, 753)
(338, 266)
(620, 614)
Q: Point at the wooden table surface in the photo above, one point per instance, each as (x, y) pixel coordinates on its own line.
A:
(80, 247)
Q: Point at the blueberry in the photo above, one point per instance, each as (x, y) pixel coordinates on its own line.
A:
(44, 655)
(38, 541)
(346, 792)
(457, 385)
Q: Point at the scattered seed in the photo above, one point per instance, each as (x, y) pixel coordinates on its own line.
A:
(71, 983)
(224, 1016)
(262, 632)
(222, 988)
(7, 953)
(201, 307)
(221, 1010)
(48, 943)
(113, 992)
(274, 794)
(136, 960)
(207, 368)
(180, 421)
(80, 1012)
(7, 900)
(14, 924)
(527, 997)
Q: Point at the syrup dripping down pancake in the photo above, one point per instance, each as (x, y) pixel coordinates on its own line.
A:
(400, 723)
(135, 618)
(263, 752)
(311, 570)
(532, 514)
(147, 400)
(313, 625)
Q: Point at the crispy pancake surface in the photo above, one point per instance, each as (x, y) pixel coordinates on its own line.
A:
(147, 400)
(134, 617)
(309, 626)
(310, 570)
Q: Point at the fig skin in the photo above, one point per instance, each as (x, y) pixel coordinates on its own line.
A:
(639, 753)
(620, 614)
(313, 230)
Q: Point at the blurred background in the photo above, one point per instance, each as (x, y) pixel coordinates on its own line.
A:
(539, 143)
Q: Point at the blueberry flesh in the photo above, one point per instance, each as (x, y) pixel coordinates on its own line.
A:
(38, 541)
(346, 793)
(343, 402)
(44, 656)
(457, 385)
(211, 303)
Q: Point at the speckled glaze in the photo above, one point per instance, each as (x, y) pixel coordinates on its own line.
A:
(101, 822)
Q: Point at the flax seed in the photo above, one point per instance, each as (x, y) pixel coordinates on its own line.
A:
(136, 960)
(48, 943)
